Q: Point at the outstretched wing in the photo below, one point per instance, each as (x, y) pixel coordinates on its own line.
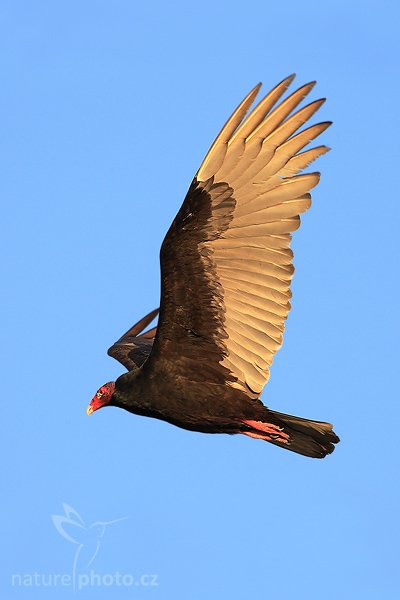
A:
(133, 349)
(226, 265)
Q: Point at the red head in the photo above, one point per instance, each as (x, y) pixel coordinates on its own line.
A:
(102, 397)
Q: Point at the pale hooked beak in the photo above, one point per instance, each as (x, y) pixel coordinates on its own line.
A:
(89, 410)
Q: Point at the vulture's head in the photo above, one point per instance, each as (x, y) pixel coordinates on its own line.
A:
(102, 397)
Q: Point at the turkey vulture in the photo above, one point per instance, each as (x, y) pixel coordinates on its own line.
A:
(226, 268)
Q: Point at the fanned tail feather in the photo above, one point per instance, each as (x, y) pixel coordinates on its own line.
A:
(315, 439)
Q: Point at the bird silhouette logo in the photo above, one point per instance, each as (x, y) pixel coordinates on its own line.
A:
(87, 538)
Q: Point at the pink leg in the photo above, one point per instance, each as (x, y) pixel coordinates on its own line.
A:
(257, 436)
(273, 431)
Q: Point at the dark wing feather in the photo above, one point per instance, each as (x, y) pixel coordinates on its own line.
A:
(226, 263)
(190, 334)
(132, 349)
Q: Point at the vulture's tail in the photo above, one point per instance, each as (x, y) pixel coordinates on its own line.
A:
(310, 438)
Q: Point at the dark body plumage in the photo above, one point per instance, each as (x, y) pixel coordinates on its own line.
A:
(225, 275)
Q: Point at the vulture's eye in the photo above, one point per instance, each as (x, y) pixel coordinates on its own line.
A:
(99, 394)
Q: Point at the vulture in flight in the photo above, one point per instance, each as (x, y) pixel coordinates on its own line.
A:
(226, 269)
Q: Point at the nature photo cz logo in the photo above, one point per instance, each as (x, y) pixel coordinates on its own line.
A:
(87, 540)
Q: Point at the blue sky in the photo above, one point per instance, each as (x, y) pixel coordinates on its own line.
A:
(107, 110)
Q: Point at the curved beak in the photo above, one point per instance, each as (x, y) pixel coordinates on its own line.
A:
(89, 410)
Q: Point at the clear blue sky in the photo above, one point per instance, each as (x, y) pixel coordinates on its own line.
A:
(107, 109)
